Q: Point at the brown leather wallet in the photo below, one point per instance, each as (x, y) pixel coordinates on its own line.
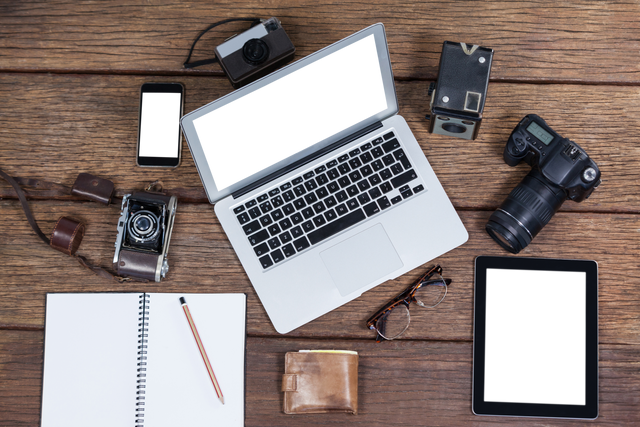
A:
(320, 381)
(93, 188)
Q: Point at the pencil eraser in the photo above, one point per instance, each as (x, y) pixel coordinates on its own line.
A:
(182, 300)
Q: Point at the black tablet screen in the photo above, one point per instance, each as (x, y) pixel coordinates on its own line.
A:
(535, 337)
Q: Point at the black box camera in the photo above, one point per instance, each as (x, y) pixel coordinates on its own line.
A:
(255, 53)
(458, 96)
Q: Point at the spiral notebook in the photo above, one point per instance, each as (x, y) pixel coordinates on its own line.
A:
(116, 359)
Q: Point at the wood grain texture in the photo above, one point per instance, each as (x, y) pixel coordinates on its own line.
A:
(202, 260)
(399, 384)
(55, 126)
(534, 41)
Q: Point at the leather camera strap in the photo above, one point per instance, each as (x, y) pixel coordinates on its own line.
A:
(66, 235)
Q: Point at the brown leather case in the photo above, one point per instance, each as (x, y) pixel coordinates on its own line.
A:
(93, 188)
(67, 235)
(138, 264)
(319, 382)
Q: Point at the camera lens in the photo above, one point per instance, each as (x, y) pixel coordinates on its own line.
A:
(255, 51)
(454, 128)
(143, 226)
(527, 209)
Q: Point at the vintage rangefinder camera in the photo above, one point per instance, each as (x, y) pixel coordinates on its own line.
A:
(144, 233)
(255, 53)
(560, 170)
(458, 96)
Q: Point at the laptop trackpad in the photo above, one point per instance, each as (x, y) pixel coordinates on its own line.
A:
(361, 259)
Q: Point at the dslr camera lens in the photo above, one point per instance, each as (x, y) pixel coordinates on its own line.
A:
(255, 51)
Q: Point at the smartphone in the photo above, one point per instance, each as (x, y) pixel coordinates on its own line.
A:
(159, 136)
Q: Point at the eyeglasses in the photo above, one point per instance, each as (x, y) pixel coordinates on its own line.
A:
(393, 318)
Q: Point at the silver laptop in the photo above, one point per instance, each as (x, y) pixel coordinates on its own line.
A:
(320, 186)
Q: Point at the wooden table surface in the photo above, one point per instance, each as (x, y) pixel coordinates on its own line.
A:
(70, 74)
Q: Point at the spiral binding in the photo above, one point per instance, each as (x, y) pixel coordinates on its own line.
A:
(142, 358)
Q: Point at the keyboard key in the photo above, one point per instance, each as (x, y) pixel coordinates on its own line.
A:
(406, 177)
(262, 197)
(377, 165)
(265, 220)
(407, 193)
(363, 185)
(352, 204)
(374, 193)
(389, 135)
(344, 181)
(333, 173)
(288, 250)
(388, 160)
(330, 215)
(355, 163)
(310, 185)
(355, 176)
(311, 198)
(396, 199)
(261, 249)
(274, 229)
(277, 201)
(319, 207)
(332, 163)
(266, 261)
(296, 232)
(366, 158)
(385, 174)
(322, 179)
(403, 188)
(344, 168)
(319, 221)
(320, 169)
(364, 198)
(354, 153)
(274, 192)
(377, 141)
(330, 201)
(259, 237)
(390, 145)
(301, 244)
(288, 196)
(255, 212)
(343, 158)
(377, 152)
(308, 175)
(273, 243)
(322, 192)
(286, 237)
(243, 218)
(352, 191)
(375, 179)
(371, 209)
(288, 209)
(341, 209)
(277, 215)
(266, 207)
(308, 226)
(277, 255)
(366, 146)
(386, 187)
(418, 188)
(307, 213)
(286, 186)
(296, 181)
(251, 204)
(252, 227)
(333, 187)
(366, 170)
(285, 223)
(337, 226)
(238, 209)
(396, 168)
(299, 190)
(297, 218)
(383, 202)
(299, 204)
(402, 158)
(341, 196)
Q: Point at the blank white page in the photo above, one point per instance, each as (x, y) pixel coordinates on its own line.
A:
(90, 360)
(179, 391)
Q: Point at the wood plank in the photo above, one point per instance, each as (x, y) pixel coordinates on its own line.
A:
(55, 126)
(542, 41)
(399, 383)
(202, 260)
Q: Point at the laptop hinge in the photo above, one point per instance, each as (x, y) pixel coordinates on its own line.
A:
(305, 160)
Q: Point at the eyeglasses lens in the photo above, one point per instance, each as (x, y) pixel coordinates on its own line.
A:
(394, 322)
(432, 292)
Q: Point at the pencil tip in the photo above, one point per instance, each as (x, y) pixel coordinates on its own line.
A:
(222, 399)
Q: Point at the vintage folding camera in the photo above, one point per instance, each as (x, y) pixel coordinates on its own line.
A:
(560, 170)
(255, 53)
(144, 233)
(458, 96)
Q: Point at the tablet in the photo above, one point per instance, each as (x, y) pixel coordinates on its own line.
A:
(535, 338)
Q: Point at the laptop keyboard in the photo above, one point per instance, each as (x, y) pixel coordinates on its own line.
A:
(328, 199)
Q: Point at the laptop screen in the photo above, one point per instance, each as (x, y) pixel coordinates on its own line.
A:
(266, 126)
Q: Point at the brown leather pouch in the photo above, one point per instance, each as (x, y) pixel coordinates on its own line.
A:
(93, 188)
(319, 381)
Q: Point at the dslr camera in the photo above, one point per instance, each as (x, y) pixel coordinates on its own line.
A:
(255, 53)
(560, 170)
(144, 233)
